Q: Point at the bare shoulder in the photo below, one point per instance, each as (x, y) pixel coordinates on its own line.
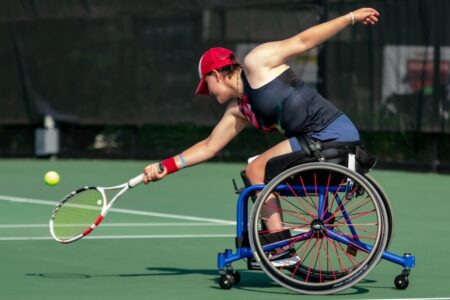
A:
(268, 60)
(261, 65)
(256, 59)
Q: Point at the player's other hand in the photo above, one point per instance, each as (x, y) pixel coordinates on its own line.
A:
(154, 172)
(367, 16)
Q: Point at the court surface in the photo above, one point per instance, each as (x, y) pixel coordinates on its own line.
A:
(161, 240)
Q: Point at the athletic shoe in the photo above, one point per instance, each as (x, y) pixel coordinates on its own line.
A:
(280, 260)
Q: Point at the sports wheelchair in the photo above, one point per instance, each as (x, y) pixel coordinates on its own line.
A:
(336, 221)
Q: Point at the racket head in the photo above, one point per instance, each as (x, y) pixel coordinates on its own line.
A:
(78, 214)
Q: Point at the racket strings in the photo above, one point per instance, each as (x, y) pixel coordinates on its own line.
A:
(77, 214)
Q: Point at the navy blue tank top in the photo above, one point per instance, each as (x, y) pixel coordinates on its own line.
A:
(287, 105)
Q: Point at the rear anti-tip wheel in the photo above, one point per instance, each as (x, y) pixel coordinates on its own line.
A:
(401, 282)
(226, 281)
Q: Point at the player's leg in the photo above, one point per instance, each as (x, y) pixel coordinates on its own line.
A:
(256, 167)
(255, 173)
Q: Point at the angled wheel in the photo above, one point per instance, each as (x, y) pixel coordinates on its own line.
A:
(401, 282)
(334, 228)
(226, 282)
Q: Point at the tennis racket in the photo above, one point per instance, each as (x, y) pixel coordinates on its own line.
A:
(81, 211)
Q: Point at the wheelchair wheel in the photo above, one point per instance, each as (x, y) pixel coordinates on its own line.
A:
(334, 228)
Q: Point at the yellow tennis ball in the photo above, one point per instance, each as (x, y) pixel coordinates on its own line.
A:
(51, 178)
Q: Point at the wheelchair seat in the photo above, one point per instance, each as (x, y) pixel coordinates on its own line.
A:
(331, 152)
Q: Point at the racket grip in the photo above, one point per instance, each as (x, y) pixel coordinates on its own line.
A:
(136, 180)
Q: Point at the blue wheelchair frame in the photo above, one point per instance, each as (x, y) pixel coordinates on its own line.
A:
(243, 250)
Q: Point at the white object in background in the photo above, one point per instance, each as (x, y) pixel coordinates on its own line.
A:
(47, 138)
(49, 122)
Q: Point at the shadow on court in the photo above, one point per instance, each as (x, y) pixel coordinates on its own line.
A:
(151, 272)
(252, 281)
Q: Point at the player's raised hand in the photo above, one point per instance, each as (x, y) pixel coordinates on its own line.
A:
(366, 16)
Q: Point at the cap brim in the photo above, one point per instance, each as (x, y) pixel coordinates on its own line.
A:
(202, 88)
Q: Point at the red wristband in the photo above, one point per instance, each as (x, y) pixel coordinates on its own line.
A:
(170, 165)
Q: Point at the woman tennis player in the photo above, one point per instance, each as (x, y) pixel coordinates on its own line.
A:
(265, 92)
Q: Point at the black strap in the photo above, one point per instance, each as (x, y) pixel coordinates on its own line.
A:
(270, 238)
(304, 145)
(311, 146)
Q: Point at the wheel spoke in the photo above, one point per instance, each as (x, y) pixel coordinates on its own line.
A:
(333, 220)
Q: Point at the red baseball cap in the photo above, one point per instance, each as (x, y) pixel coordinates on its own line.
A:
(212, 59)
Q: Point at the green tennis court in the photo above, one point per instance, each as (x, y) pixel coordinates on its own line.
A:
(160, 241)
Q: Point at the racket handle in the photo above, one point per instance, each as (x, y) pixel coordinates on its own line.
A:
(136, 180)
(140, 178)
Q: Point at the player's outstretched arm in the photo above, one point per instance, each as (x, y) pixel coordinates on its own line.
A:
(273, 54)
(231, 124)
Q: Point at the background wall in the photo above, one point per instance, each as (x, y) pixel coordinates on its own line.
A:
(119, 77)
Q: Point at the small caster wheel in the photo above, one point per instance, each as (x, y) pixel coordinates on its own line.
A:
(401, 282)
(226, 281)
(236, 277)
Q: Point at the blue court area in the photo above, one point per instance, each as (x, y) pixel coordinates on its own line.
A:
(161, 240)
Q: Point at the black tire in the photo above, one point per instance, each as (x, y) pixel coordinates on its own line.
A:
(401, 282)
(329, 269)
(226, 282)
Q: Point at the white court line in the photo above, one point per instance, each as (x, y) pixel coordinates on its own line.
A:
(111, 237)
(120, 225)
(121, 210)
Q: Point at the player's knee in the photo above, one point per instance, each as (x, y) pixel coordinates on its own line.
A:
(254, 173)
